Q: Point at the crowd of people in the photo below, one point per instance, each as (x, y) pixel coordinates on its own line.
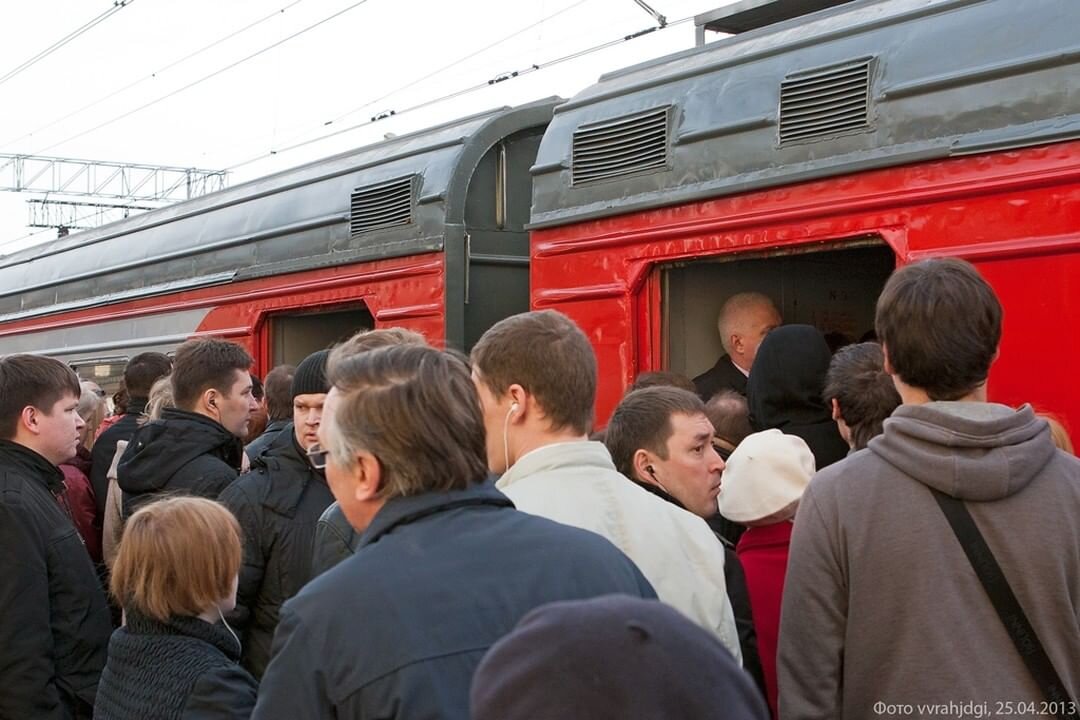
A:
(392, 530)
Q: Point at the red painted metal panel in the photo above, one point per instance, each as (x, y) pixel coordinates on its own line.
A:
(1015, 214)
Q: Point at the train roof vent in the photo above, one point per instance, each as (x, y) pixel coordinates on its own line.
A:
(822, 103)
(625, 146)
(383, 205)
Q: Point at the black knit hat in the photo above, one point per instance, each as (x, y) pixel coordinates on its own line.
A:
(611, 658)
(310, 377)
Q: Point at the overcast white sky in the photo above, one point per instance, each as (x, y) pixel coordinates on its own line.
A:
(285, 95)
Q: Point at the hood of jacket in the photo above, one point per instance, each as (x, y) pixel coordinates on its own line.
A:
(969, 450)
(784, 390)
(160, 448)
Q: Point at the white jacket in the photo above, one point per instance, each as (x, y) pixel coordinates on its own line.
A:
(576, 483)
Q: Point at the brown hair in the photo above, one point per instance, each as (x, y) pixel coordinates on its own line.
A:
(92, 410)
(864, 391)
(550, 357)
(143, 370)
(642, 421)
(940, 323)
(32, 381)
(662, 378)
(178, 557)
(278, 388)
(729, 414)
(366, 340)
(204, 364)
(414, 408)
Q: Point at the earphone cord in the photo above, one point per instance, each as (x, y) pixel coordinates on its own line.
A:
(227, 627)
(506, 436)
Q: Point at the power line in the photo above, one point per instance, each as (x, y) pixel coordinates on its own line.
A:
(118, 5)
(201, 80)
(464, 91)
(154, 74)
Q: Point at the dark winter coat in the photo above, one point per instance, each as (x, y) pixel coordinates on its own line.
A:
(278, 504)
(54, 623)
(256, 446)
(785, 386)
(182, 453)
(738, 594)
(335, 540)
(397, 630)
(105, 448)
(185, 669)
(721, 376)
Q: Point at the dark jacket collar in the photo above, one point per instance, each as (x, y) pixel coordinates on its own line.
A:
(660, 493)
(289, 471)
(276, 425)
(136, 406)
(32, 465)
(404, 510)
(214, 634)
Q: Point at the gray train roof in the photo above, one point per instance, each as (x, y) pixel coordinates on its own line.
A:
(870, 84)
(388, 199)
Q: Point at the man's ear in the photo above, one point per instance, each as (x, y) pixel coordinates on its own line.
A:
(735, 342)
(836, 410)
(888, 364)
(522, 399)
(643, 466)
(209, 400)
(368, 477)
(29, 419)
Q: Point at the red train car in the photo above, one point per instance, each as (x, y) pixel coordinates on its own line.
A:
(806, 160)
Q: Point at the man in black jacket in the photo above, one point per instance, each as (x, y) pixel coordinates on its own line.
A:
(140, 374)
(278, 504)
(195, 448)
(279, 407)
(744, 321)
(54, 623)
(446, 565)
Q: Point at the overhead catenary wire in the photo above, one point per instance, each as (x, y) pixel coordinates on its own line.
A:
(159, 71)
(536, 67)
(202, 79)
(117, 6)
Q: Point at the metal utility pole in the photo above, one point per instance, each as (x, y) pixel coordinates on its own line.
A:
(131, 185)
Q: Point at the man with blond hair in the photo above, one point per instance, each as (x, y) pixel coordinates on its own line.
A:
(744, 321)
(445, 565)
(536, 375)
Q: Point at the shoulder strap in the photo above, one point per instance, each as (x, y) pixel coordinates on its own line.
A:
(1007, 606)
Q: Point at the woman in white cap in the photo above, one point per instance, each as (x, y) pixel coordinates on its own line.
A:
(761, 486)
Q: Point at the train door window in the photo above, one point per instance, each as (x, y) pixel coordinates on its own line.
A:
(834, 289)
(294, 336)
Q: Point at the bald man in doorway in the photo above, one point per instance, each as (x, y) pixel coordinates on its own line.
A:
(744, 321)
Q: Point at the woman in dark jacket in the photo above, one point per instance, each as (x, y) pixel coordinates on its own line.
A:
(785, 387)
(175, 576)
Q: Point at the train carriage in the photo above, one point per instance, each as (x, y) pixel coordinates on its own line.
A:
(806, 159)
(424, 231)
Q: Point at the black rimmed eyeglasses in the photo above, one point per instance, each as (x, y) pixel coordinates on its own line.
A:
(317, 456)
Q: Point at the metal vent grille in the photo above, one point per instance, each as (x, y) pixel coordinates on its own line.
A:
(384, 205)
(825, 103)
(629, 145)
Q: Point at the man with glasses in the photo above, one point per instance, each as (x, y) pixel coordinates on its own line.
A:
(278, 503)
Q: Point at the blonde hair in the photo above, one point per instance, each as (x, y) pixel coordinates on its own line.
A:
(178, 557)
(92, 410)
(1058, 433)
(161, 397)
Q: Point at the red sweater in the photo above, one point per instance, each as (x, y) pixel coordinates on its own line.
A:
(763, 552)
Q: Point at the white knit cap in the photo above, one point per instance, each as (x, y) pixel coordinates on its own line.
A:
(767, 472)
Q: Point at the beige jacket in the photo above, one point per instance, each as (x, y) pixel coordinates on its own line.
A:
(113, 526)
(576, 483)
(882, 614)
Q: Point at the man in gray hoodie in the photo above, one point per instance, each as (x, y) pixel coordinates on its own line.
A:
(883, 615)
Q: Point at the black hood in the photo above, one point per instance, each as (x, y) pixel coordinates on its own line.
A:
(784, 390)
(160, 448)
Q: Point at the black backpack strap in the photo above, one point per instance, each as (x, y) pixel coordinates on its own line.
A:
(1008, 608)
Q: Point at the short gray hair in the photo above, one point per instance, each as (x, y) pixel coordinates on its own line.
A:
(733, 308)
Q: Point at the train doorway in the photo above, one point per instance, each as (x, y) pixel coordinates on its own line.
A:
(296, 335)
(834, 290)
